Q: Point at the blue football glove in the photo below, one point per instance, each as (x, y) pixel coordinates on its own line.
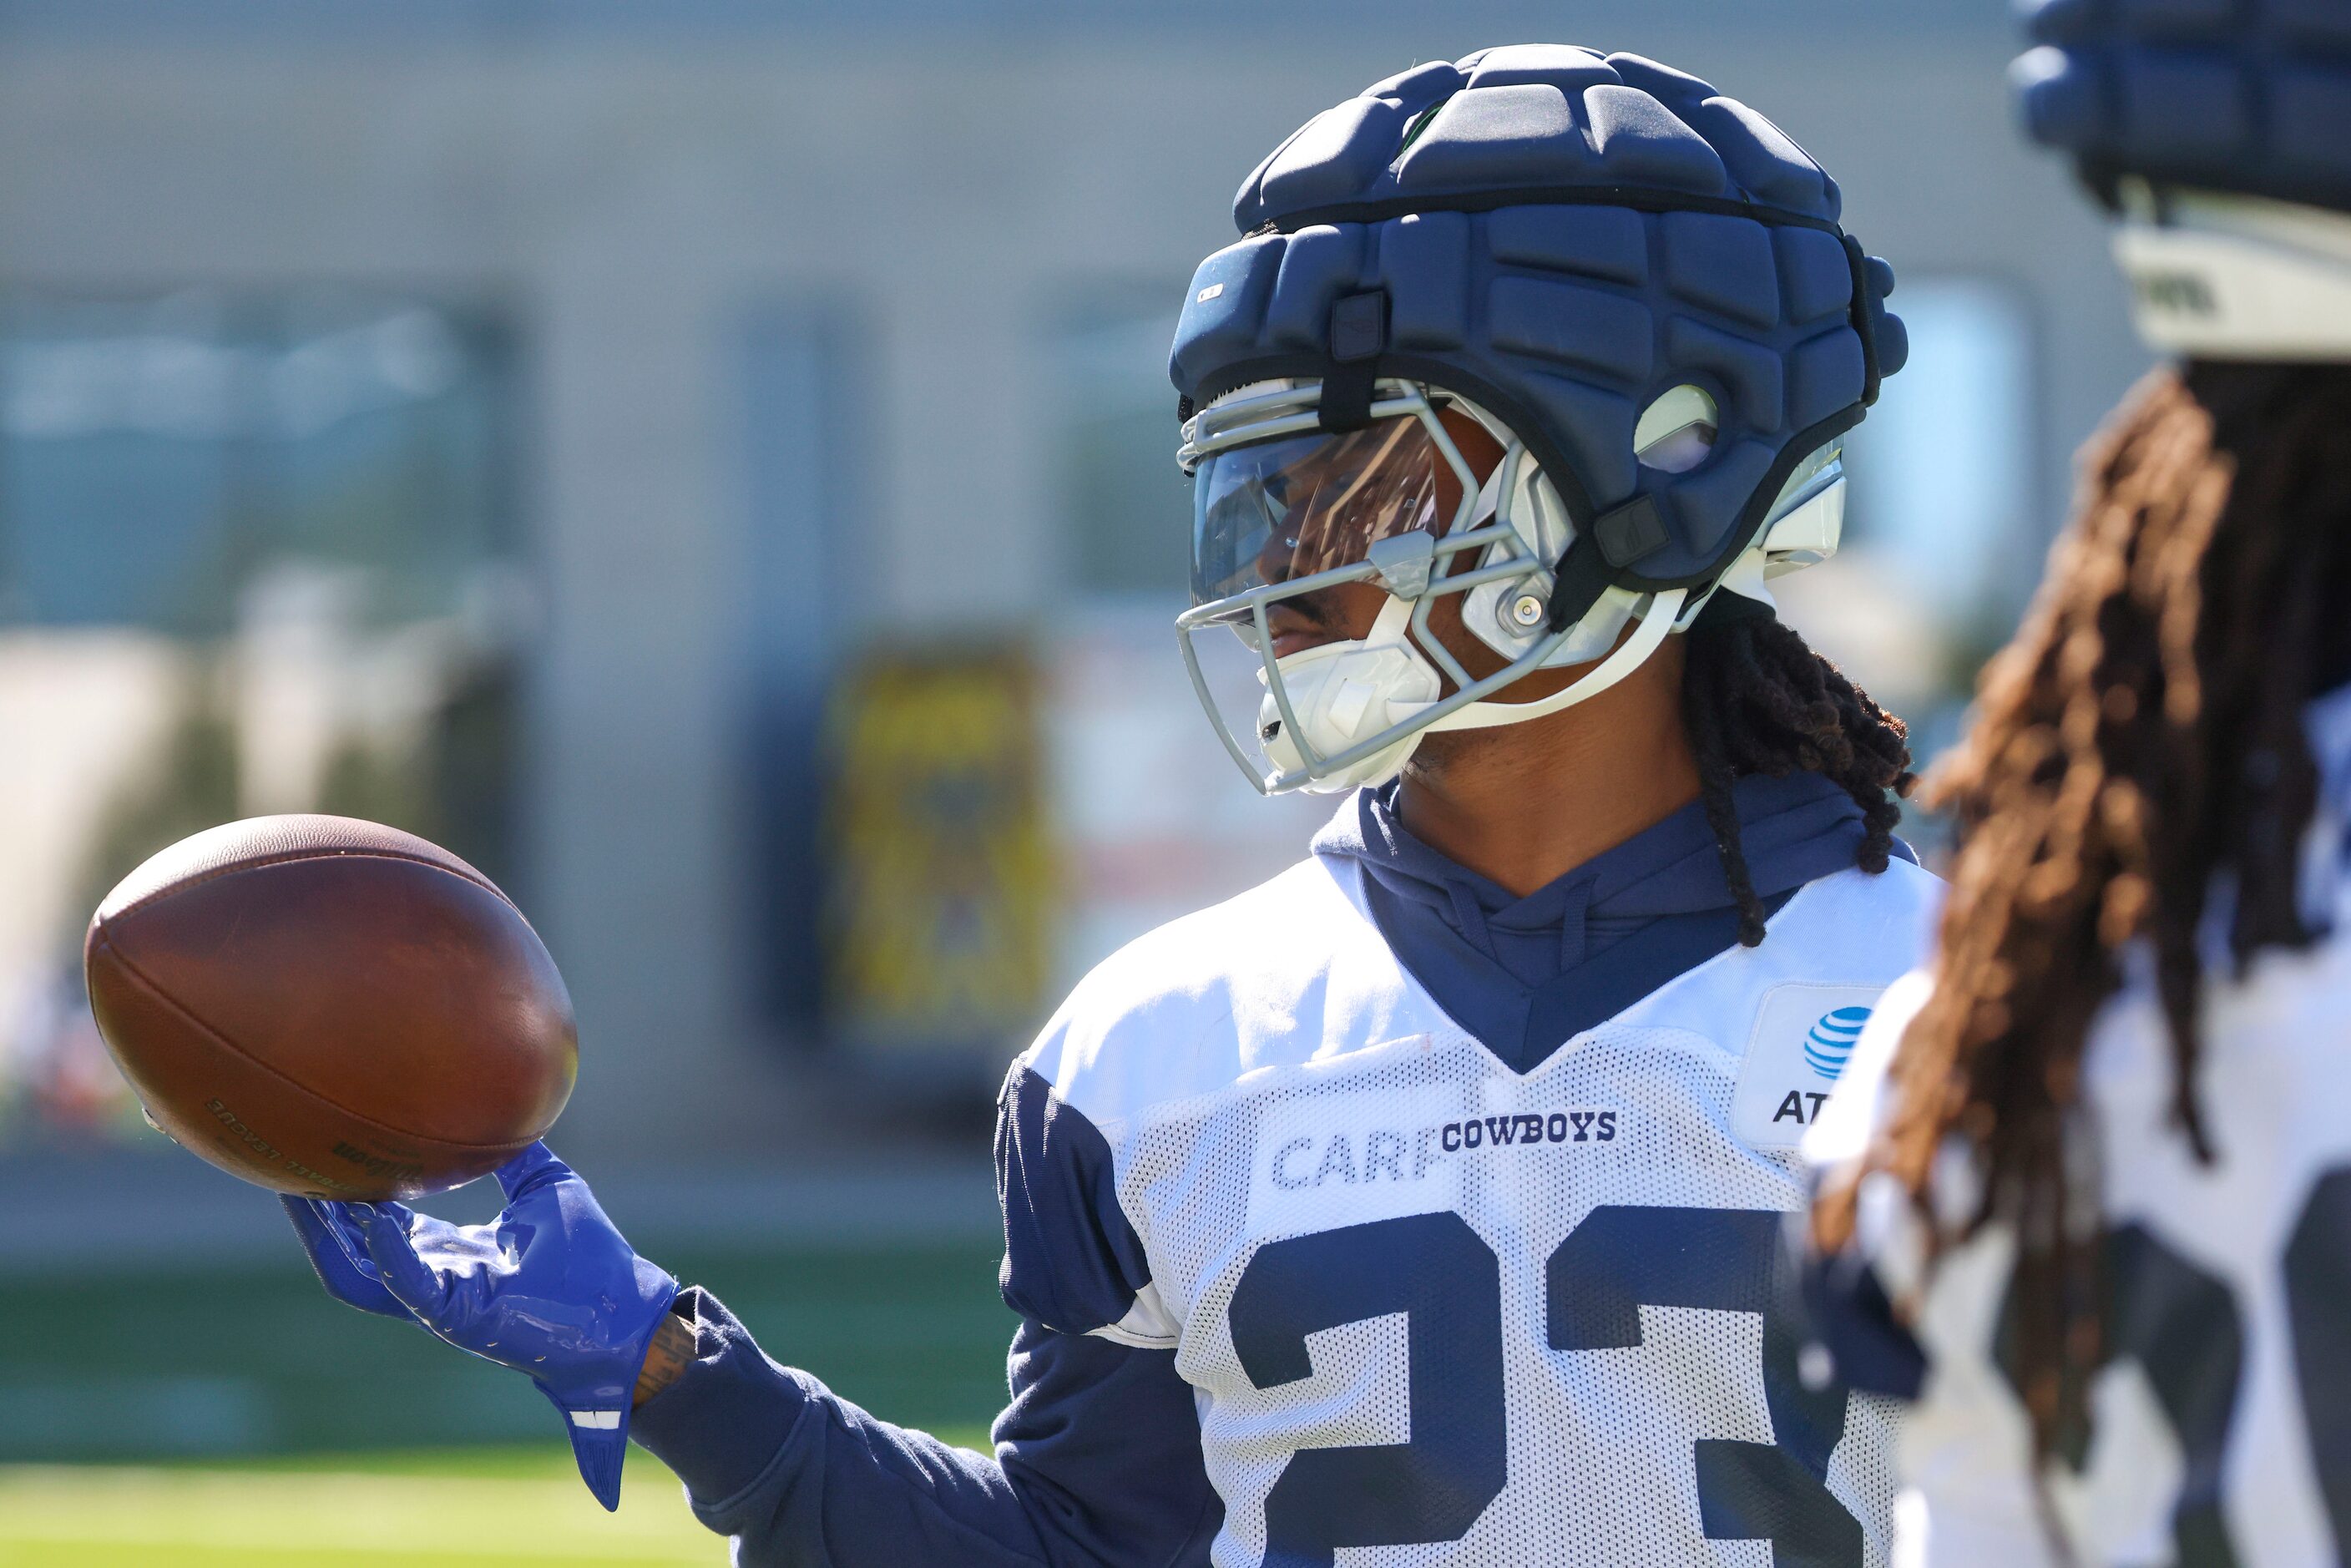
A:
(548, 1288)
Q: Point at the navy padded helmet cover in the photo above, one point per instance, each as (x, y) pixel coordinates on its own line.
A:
(2252, 97)
(1561, 236)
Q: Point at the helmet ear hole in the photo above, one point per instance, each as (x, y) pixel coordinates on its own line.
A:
(1677, 432)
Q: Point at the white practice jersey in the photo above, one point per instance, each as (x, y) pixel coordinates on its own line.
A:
(2220, 1424)
(1435, 1311)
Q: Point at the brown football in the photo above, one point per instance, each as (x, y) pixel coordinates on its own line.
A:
(331, 1008)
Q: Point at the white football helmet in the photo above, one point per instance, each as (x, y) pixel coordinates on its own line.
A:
(2231, 276)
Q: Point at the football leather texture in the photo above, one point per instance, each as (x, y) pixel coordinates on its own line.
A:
(331, 1008)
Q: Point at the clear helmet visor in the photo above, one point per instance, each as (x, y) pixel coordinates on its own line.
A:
(1437, 505)
(1294, 506)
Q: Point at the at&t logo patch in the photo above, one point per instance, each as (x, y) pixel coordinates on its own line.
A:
(1830, 1045)
(1800, 1043)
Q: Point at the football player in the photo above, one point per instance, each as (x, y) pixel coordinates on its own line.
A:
(2105, 1231)
(1429, 1196)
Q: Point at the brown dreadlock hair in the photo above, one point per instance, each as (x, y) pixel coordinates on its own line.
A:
(2140, 739)
(1756, 698)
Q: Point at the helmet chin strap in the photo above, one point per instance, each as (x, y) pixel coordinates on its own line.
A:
(1649, 633)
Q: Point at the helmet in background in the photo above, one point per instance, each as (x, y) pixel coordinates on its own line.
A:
(2220, 137)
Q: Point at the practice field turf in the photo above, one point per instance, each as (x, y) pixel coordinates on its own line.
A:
(462, 1508)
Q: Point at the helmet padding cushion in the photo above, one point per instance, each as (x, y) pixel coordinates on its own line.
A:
(1563, 236)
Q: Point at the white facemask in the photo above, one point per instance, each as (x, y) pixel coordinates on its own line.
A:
(1347, 714)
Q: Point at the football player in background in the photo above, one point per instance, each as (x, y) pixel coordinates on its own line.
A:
(2107, 1180)
(1430, 1194)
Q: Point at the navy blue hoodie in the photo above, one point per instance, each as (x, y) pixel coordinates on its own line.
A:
(1517, 972)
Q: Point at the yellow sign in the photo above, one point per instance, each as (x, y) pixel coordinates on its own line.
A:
(942, 876)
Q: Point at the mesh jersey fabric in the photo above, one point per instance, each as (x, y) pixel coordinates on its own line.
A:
(1561, 236)
(2245, 95)
(1438, 1313)
(2220, 1423)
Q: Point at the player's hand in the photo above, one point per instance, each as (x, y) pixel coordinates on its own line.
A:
(548, 1288)
(338, 1250)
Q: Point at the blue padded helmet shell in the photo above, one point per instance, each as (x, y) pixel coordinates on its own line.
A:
(1560, 237)
(2249, 97)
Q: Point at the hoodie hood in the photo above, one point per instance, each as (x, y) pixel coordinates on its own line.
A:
(1518, 972)
(1793, 830)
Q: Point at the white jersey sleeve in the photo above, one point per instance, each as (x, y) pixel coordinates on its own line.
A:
(1964, 1455)
(2220, 1417)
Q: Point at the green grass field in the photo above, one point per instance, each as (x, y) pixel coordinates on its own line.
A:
(454, 1508)
(201, 1418)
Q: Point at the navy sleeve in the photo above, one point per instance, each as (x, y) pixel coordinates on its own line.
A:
(1850, 1315)
(1102, 1442)
(1070, 1258)
(800, 1477)
(1098, 1461)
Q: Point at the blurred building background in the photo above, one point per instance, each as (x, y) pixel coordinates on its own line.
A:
(711, 464)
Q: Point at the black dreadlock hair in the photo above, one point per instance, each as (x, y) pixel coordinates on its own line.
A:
(1756, 699)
